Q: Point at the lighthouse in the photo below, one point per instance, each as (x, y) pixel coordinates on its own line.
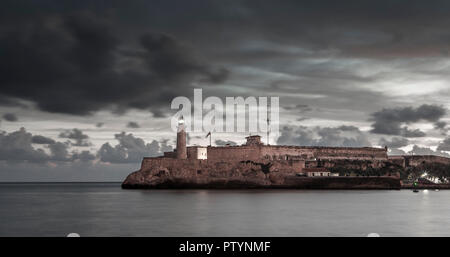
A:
(181, 140)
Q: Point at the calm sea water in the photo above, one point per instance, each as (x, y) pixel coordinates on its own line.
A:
(104, 209)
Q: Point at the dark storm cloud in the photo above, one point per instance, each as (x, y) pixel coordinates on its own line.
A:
(17, 147)
(374, 29)
(395, 142)
(10, 117)
(131, 149)
(71, 63)
(390, 121)
(171, 60)
(77, 135)
(133, 124)
(345, 136)
(225, 142)
(7, 101)
(38, 139)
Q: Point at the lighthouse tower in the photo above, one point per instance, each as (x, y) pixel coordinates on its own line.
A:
(181, 140)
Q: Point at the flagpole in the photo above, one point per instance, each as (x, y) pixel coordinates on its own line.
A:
(209, 134)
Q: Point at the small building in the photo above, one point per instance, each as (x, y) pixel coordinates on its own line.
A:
(317, 172)
(202, 153)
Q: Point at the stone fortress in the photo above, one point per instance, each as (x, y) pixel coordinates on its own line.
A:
(258, 165)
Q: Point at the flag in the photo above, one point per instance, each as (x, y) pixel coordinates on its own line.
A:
(209, 134)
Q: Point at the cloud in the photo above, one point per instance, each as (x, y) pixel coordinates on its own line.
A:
(10, 117)
(344, 136)
(131, 149)
(17, 147)
(225, 142)
(412, 132)
(38, 139)
(76, 65)
(133, 124)
(301, 108)
(59, 151)
(395, 151)
(84, 156)
(442, 126)
(391, 121)
(171, 60)
(417, 150)
(395, 142)
(77, 135)
(444, 145)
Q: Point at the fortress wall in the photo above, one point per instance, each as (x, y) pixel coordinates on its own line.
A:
(366, 153)
(399, 160)
(273, 152)
(234, 153)
(298, 166)
(350, 153)
(278, 152)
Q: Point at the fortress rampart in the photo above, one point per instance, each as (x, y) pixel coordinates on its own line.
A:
(255, 165)
(294, 157)
(276, 152)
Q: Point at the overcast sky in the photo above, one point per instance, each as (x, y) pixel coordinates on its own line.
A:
(86, 86)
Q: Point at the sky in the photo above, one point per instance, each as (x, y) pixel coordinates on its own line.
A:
(86, 86)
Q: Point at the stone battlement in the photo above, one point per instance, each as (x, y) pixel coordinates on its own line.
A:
(255, 165)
